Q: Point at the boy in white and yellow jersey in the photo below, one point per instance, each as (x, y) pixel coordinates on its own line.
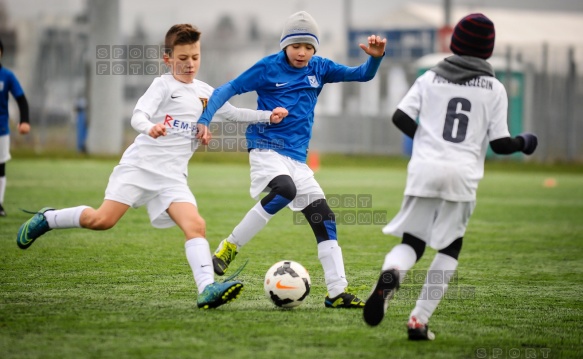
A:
(153, 170)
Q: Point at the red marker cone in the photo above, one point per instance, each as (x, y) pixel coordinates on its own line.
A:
(314, 160)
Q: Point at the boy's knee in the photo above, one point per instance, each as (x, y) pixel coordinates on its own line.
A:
(417, 244)
(284, 186)
(199, 224)
(283, 191)
(454, 249)
(196, 228)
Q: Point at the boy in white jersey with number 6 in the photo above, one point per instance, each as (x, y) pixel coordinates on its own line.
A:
(153, 170)
(292, 78)
(461, 109)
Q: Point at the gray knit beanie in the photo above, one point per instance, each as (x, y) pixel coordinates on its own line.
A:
(300, 28)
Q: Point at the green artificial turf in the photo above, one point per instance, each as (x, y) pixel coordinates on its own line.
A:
(129, 293)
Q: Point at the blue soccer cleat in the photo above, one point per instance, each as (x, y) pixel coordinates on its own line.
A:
(33, 228)
(219, 293)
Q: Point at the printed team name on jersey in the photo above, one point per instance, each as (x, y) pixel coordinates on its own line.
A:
(475, 82)
(183, 128)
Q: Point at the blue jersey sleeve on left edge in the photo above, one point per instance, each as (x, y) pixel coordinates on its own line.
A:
(15, 87)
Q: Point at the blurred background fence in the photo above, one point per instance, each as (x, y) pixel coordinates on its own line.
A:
(543, 78)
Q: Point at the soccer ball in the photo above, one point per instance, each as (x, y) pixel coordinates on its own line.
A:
(287, 284)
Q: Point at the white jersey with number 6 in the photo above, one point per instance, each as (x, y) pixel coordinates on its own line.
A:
(456, 123)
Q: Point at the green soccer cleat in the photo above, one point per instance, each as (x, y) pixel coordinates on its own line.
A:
(344, 300)
(223, 256)
(377, 303)
(33, 228)
(217, 294)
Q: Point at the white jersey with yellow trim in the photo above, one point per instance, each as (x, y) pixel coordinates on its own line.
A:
(178, 105)
(456, 123)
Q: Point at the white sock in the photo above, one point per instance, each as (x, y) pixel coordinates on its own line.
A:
(65, 218)
(402, 257)
(330, 255)
(198, 254)
(2, 188)
(250, 225)
(440, 272)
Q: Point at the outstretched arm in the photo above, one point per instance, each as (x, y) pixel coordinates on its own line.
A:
(376, 46)
(245, 82)
(525, 143)
(243, 115)
(366, 71)
(231, 113)
(218, 98)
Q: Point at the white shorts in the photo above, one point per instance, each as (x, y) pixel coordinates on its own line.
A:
(434, 220)
(268, 164)
(136, 187)
(5, 148)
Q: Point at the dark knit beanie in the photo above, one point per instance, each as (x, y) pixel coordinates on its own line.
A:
(474, 36)
(300, 28)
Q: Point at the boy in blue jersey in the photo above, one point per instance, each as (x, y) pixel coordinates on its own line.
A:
(293, 79)
(9, 84)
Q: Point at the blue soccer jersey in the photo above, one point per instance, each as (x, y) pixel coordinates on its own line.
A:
(279, 84)
(8, 83)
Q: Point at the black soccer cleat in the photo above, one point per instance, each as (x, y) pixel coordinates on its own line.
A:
(343, 300)
(376, 305)
(418, 331)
